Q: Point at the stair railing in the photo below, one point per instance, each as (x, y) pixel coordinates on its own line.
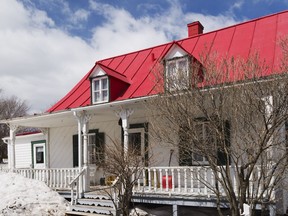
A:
(75, 183)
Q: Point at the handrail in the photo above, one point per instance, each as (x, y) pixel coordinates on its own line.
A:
(75, 181)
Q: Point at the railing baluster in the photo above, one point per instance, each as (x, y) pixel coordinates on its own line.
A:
(179, 180)
(173, 179)
(166, 175)
(205, 181)
(161, 177)
(149, 179)
(185, 180)
(155, 179)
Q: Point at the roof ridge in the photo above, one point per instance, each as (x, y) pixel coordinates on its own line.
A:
(237, 24)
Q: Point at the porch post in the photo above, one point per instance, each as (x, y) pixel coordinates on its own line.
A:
(124, 115)
(13, 129)
(268, 103)
(86, 119)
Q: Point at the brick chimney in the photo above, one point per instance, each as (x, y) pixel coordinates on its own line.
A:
(195, 28)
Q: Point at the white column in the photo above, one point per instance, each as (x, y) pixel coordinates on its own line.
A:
(86, 119)
(268, 103)
(124, 114)
(83, 120)
(13, 129)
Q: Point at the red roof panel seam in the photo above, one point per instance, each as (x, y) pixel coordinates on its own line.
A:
(276, 30)
(160, 57)
(88, 88)
(120, 62)
(195, 46)
(142, 63)
(252, 40)
(212, 44)
(128, 65)
(230, 44)
(66, 97)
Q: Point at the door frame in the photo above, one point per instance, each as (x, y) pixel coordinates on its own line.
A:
(35, 144)
(140, 126)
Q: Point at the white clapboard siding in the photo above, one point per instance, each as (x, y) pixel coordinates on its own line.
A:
(23, 155)
(23, 149)
(61, 148)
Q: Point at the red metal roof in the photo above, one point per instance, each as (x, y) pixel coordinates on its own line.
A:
(259, 35)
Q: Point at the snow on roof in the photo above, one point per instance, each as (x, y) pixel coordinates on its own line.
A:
(259, 35)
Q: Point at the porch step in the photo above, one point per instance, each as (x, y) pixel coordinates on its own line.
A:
(93, 209)
(93, 204)
(74, 213)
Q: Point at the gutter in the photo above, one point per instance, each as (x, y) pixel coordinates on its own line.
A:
(113, 104)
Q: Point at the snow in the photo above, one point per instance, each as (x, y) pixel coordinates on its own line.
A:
(22, 196)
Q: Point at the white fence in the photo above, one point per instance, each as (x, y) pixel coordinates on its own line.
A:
(194, 180)
(55, 178)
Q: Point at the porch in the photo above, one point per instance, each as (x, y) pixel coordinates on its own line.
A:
(193, 181)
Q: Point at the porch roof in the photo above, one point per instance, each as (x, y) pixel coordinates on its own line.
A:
(99, 112)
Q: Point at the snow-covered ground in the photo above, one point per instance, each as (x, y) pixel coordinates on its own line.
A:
(22, 196)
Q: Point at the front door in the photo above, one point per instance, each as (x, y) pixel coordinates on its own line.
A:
(39, 155)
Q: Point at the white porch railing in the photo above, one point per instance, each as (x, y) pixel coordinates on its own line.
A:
(55, 178)
(194, 180)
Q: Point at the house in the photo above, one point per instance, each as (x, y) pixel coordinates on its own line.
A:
(107, 103)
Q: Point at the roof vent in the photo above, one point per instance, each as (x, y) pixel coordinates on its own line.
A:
(195, 28)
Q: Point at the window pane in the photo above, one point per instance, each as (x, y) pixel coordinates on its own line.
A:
(97, 96)
(96, 85)
(40, 154)
(171, 69)
(105, 95)
(135, 143)
(182, 65)
(104, 83)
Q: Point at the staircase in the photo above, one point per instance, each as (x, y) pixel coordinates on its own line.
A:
(93, 204)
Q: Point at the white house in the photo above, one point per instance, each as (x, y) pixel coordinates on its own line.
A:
(107, 103)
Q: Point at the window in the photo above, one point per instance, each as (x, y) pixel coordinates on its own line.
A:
(96, 147)
(100, 90)
(135, 143)
(204, 135)
(177, 73)
(39, 154)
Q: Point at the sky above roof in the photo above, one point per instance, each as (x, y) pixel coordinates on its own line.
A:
(47, 46)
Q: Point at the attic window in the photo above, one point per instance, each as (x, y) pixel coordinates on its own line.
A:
(177, 73)
(100, 92)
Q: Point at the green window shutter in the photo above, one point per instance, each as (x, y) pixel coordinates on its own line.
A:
(222, 157)
(75, 151)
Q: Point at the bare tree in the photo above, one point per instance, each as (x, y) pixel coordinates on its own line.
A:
(10, 107)
(127, 166)
(230, 115)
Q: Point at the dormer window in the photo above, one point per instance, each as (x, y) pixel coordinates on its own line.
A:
(106, 84)
(177, 73)
(100, 88)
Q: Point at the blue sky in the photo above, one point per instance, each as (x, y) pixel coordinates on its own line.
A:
(48, 45)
